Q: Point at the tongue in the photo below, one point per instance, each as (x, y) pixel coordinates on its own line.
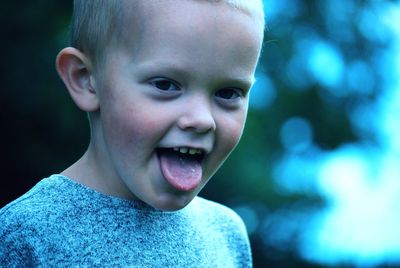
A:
(184, 172)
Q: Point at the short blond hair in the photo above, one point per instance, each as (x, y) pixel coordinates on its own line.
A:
(95, 23)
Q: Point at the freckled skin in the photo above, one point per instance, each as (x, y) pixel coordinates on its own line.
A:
(203, 48)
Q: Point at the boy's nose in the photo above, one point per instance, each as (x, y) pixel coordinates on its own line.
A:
(197, 117)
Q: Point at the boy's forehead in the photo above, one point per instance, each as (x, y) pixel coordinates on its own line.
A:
(143, 8)
(141, 15)
(156, 29)
(137, 14)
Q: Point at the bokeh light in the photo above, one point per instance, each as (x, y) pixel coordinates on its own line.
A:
(358, 182)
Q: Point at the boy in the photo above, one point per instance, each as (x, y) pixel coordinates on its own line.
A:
(166, 85)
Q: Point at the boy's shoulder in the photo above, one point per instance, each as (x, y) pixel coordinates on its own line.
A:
(217, 213)
(223, 226)
(39, 208)
(212, 207)
(31, 207)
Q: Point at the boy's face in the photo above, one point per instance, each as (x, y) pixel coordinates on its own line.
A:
(174, 98)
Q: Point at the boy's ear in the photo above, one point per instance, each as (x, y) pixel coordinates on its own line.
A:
(75, 70)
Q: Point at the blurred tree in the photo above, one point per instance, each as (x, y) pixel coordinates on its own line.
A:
(42, 131)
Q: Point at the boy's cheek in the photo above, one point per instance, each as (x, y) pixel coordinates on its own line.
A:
(230, 137)
(129, 126)
(233, 126)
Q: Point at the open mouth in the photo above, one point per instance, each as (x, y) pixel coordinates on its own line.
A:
(181, 166)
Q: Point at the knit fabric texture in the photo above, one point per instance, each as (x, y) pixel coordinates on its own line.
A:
(60, 222)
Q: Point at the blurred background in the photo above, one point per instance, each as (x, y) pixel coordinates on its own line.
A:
(316, 177)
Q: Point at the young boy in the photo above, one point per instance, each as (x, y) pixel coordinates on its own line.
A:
(166, 86)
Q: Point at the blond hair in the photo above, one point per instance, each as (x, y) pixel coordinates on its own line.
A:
(97, 22)
(93, 24)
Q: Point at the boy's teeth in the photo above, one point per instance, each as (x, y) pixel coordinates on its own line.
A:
(185, 150)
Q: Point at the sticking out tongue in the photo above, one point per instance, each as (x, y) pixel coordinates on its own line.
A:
(183, 171)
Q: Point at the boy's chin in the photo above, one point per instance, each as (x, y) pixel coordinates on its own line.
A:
(172, 202)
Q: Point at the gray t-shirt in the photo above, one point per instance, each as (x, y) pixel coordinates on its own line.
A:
(60, 222)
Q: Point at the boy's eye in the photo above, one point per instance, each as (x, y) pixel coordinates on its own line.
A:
(164, 84)
(229, 93)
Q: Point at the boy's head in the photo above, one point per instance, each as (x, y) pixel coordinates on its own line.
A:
(97, 23)
(167, 84)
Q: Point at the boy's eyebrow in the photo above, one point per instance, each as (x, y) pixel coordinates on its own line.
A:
(242, 82)
(177, 69)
